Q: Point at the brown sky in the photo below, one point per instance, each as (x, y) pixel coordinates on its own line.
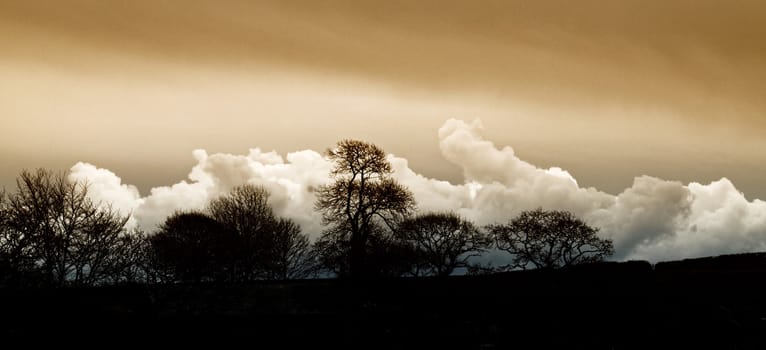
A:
(606, 89)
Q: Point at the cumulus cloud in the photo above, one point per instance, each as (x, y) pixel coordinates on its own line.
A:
(290, 182)
(654, 219)
(107, 188)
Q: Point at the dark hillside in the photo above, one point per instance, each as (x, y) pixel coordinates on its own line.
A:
(705, 303)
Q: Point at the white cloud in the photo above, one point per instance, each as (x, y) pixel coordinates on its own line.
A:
(107, 188)
(654, 219)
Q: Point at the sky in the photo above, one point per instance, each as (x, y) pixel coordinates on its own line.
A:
(652, 110)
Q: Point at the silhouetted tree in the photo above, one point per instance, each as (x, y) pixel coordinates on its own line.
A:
(292, 256)
(385, 256)
(388, 256)
(153, 265)
(246, 211)
(363, 194)
(442, 242)
(193, 247)
(10, 269)
(50, 225)
(332, 252)
(271, 247)
(131, 264)
(550, 239)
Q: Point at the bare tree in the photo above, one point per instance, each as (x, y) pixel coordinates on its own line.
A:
(362, 194)
(154, 266)
(292, 252)
(273, 247)
(15, 261)
(53, 226)
(550, 239)
(245, 210)
(332, 251)
(442, 242)
(130, 265)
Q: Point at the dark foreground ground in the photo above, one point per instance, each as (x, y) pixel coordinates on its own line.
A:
(706, 303)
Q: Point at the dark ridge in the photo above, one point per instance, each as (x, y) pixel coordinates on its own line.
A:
(610, 305)
(739, 262)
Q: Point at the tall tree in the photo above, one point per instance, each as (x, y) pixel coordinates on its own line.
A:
(361, 195)
(51, 225)
(442, 242)
(550, 239)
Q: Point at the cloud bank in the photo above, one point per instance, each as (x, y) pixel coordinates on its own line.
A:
(654, 219)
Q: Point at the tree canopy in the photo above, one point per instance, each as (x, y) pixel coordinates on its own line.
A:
(238, 238)
(193, 247)
(361, 196)
(246, 212)
(51, 228)
(550, 239)
(442, 242)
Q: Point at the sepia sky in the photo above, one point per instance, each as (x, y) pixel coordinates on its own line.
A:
(608, 90)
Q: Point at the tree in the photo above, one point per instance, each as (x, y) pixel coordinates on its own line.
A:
(193, 247)
(272, 247)
(442, 242)
(388, 256)
(12, 265)
(245, 210)
(332, 252)
(52, 227)
(550, 239)
(385, 256)
(362, 194)
(131, 264)
(292, 252)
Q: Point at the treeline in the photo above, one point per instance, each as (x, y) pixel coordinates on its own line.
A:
(53, 234)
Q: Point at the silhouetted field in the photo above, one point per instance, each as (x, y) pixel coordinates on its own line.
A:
(703, 303)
